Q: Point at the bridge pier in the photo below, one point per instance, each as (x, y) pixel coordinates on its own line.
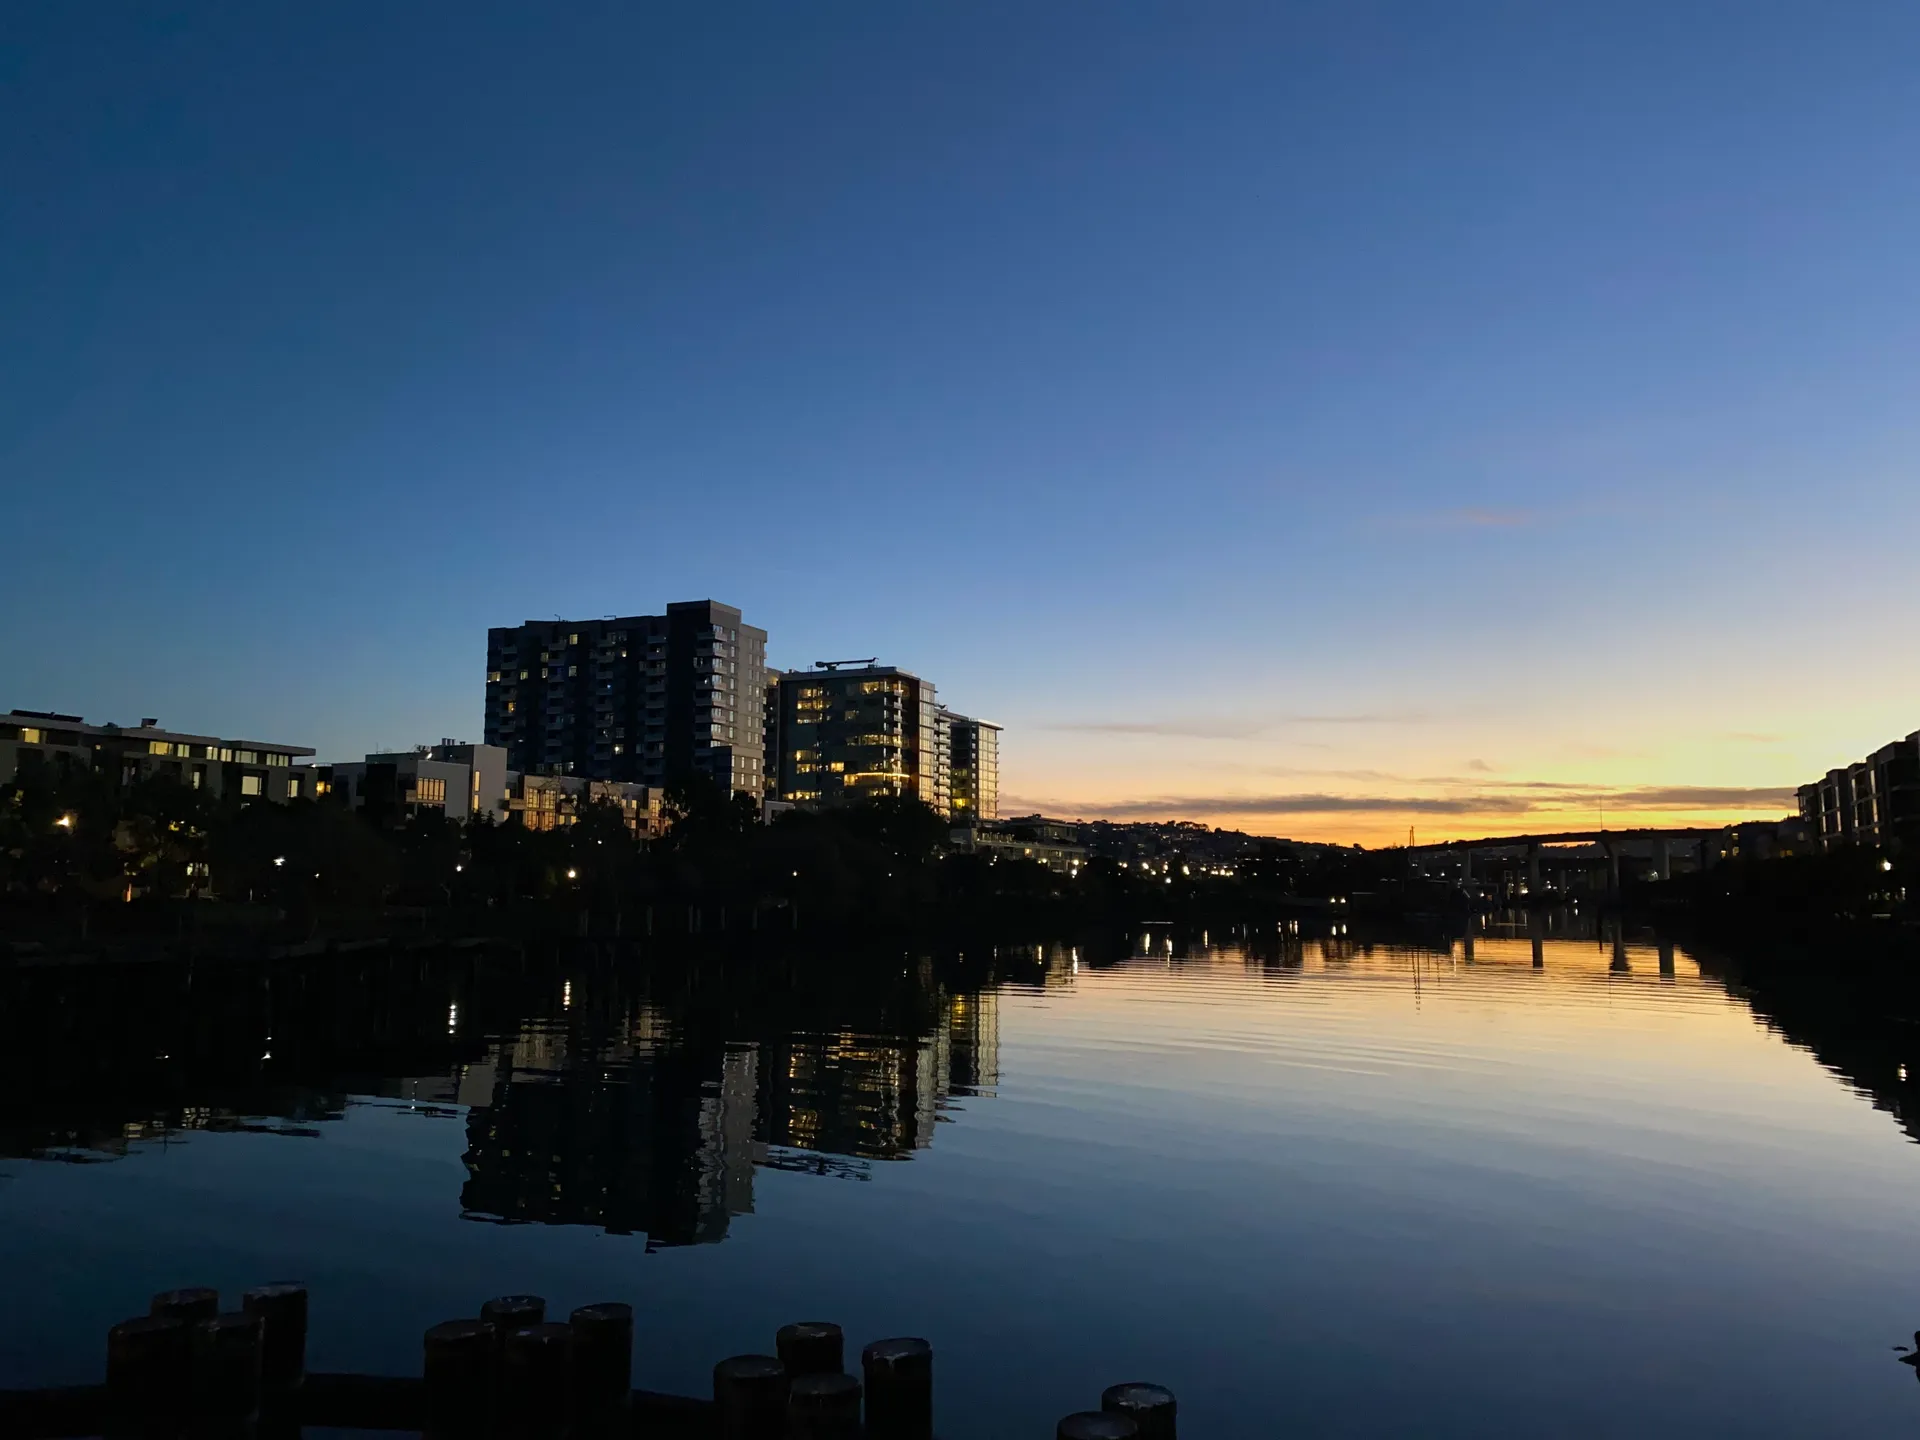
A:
(1533, 867)
(1619, 964)
(1466, 867)
(1706, 856)
(1466, 945)
(1662, 858)
(1666, 958)
(1537, 927)
(1613, 867)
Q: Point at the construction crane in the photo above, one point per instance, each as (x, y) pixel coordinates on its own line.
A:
(836, 664)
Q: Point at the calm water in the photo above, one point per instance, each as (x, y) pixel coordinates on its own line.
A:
(1335, 1189)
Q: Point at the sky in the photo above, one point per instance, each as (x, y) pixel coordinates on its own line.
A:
(1321, 420)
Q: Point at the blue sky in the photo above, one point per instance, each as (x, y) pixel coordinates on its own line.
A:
(1318, 418)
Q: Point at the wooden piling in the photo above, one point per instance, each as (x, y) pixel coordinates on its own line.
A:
(899, 1376)
(811, 1347)
(1095, 1425)
(602, 1361)
(537, 1380)
(505, 1314)
(226, 1371)
(750, 1392)
(459, 1371)
(149, 1375)
(824, 1406)
(282, 1310)
(1151, 1407)
(193, 1304)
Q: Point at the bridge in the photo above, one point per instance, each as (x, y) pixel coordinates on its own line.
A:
(1656, 845)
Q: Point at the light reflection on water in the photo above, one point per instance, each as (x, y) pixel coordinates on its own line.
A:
(1526, 1181)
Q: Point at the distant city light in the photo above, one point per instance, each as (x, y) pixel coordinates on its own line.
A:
(278, 861)
(573, 874)
(65, 822)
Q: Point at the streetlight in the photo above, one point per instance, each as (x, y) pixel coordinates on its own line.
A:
(573, 874)
(65, 822)
(278, 861)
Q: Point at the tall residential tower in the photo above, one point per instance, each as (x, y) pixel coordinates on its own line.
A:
(973, 768)
(643, 698)
(854, 730)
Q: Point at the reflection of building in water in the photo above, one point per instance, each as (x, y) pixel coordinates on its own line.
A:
(613, 1112)
(849, 1095)
(632, 1138)
(878, 1097)
(972, 1034)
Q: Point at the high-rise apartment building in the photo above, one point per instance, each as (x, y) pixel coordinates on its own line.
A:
(973, 767)
(855, 733)
(770, 731)
(642, 698)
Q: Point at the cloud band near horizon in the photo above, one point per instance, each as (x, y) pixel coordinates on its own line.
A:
(1679, 798)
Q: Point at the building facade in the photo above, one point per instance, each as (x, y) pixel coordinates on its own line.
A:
(1875, 801)
(1056, 844)
(245, 769)
(770, 731)
(973, 768)
(461, 781)
(646, 699)
(554, 802)
(851, 734)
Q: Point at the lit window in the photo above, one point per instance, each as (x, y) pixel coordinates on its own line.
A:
(249, 784)
(247, 757)
(574, 638)
(293, 787)
(493, 677)
(523, 674)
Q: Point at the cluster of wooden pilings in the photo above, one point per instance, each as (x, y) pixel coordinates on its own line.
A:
(189, 1369)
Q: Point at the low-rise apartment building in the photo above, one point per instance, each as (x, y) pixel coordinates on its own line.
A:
(462, 781)
(1875, 801)
(1056, 844)
(128, 754)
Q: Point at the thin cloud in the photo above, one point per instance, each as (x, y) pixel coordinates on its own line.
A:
(1174, 807)
(1184, 729)
(1227, 729)
(1519, 798)
(1467, 517)
(1704, 797)
(1473, 518)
